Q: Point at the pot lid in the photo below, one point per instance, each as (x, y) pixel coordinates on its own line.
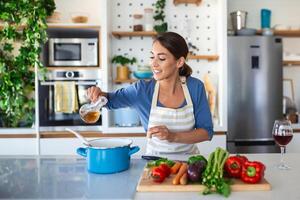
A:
(108, 143)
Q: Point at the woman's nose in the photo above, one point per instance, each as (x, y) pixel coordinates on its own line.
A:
(153, 63)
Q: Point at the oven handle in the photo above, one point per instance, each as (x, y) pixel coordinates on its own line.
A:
(77, 83)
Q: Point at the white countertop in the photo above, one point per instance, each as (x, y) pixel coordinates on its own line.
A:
(65, 177)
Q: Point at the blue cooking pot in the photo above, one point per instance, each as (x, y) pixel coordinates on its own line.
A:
(109, 155)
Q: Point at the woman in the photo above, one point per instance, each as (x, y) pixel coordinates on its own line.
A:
(172, 106)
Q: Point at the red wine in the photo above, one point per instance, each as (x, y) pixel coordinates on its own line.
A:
(282, 140)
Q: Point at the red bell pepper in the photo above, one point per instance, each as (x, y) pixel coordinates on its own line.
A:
(233, 165)
(158, 174)
(252, 172)
(165, 168)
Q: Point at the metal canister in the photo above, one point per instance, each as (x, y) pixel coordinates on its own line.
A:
(238, 19)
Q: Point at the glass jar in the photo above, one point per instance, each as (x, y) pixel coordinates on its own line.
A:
(149, 21)
(137, 22)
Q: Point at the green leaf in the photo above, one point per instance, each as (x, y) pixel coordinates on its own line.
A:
(16, 75)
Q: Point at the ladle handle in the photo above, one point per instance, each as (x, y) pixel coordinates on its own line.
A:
(83, 140)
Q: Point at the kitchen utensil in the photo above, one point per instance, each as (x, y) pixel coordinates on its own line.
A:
(265, 17)
(143, 74)
(238, 19)
(90, 112)
(109, 155)
(148, 19)
(126, 117)
(146, 157)
(79, 136)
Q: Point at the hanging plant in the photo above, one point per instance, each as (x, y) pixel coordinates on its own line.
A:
(21, 37)
(159, 16)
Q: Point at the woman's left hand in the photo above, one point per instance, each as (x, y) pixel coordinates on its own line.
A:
(161, 132)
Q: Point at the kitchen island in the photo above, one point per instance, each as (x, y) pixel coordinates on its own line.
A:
(65, 177)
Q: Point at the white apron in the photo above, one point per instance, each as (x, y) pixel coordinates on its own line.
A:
(176, 120)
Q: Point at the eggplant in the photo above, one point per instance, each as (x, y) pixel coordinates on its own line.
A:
(195, 171)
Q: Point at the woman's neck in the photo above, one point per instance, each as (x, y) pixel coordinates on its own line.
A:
(170, 85)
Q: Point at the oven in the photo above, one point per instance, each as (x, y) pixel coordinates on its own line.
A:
(50, 118)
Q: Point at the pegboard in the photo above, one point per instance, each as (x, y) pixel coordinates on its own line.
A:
(197, 24)
(202, 25)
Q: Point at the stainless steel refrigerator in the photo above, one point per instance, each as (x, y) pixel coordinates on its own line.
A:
(254, 92)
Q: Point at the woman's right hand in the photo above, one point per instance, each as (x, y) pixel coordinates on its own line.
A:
(93, 93)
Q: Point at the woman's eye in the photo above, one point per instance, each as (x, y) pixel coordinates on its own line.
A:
(162, 59)
(151, 57)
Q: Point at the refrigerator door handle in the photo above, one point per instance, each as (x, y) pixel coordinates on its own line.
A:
(254, 143)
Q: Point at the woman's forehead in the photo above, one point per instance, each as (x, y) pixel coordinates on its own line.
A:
(159, 49)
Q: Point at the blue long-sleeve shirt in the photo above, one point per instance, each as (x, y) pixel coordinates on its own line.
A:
(139, 96)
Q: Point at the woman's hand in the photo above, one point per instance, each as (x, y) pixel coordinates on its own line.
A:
(161, 132)
(93, 93)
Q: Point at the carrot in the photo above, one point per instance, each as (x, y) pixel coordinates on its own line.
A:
(175, 167)
(182, 170)
(183, 179)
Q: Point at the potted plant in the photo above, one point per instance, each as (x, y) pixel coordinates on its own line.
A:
(159, 16)
(23, 32)
(122, 68)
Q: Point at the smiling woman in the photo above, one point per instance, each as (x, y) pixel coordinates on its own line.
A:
(172, 106)
(24, 23)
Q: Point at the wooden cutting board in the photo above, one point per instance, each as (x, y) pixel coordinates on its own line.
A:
(147, 185)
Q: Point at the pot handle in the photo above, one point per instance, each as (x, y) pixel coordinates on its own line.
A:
(133, 150)
(82, 151)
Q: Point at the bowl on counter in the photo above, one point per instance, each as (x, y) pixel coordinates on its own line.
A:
(79, 17)
(143, 74)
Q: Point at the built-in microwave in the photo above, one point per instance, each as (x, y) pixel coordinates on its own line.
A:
(73, 52)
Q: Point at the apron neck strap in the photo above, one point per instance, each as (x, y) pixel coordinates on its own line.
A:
(185, 91)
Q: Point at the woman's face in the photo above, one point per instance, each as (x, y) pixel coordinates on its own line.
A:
(164, 65)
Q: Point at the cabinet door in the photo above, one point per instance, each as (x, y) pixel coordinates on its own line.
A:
(18, 146)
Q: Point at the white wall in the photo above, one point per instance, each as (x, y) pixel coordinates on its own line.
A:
(291, 48)
(284, 12)
(92, 8)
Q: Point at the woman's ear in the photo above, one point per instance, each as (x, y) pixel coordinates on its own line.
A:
(180, 62)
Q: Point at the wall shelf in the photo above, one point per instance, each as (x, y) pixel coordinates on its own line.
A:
(73, 25)
(203, 57)
(284, 33)
(289, 63)
(120, 34)
(197, 2)
(67, 25)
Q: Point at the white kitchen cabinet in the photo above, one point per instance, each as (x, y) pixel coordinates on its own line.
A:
(18, 146)
(293, 146)
(68, 146)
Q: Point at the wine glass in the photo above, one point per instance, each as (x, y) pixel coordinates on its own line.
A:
(282, 134)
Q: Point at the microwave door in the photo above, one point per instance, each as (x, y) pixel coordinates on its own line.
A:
(67, 54)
